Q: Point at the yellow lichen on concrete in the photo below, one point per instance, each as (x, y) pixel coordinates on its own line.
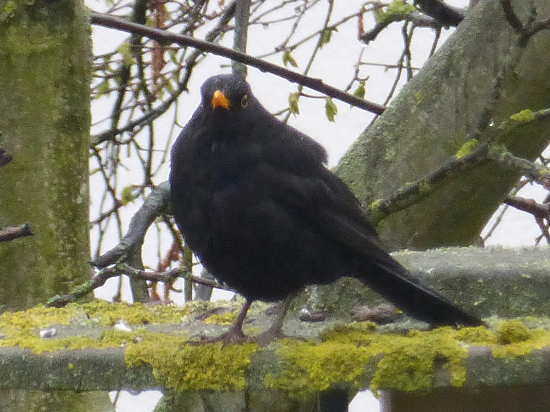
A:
(186, 367)
(515, 339)
(407, 361)
(226, 318)
(97, 312)
(353, 354)
(22, 328)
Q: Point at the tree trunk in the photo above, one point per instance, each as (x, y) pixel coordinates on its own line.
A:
(477, 80)
(44, 124)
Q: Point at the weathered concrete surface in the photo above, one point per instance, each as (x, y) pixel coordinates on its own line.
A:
(105, 369)
(487, 281)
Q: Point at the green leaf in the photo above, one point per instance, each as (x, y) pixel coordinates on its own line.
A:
(331, 110)
(400, 8)
(466, 148)
(396, 11)
(524, 116)
(169, 87)
(293, 103)
(103, 87)
(173, 56)
(128, 195)
(360, 91)
(288, 59)
(125, 51)
(326, 36)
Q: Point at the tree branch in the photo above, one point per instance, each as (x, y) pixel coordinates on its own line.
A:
(538, 210)
(165, 37)
(538, 173)
(153, 206)
(5, 157)
(472, 154)
(102, 276)
(445, 14)
(525, 31)
(412, 193)
(14, 232)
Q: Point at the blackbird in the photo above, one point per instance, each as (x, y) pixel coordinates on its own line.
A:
(254, 200)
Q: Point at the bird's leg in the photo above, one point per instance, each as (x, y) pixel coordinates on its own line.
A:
(235, 333)
(276, 329)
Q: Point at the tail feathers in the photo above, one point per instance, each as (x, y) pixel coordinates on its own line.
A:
(399, 286)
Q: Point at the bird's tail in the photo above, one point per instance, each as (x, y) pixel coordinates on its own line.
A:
(395, 283)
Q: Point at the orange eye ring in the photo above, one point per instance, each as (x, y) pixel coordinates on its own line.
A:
(244, 100)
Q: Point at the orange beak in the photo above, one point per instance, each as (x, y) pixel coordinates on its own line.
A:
(220, 100)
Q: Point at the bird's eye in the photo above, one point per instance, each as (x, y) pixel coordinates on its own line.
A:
(244, 100)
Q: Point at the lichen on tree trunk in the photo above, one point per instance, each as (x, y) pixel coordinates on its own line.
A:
(45, 71)
(438, 111)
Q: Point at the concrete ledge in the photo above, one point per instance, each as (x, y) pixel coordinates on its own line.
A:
(489, 281)
(105, 369)
(76, 370)
(486, 281)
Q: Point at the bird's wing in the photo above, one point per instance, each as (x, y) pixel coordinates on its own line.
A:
(326, 203)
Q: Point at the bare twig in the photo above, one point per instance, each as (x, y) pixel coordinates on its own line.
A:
(5, 157)
(444, 14)
(153, 206)
(14, 232)
(417, 20)
(538, 210)
(525, 31)
(165, 37)
(99, 280)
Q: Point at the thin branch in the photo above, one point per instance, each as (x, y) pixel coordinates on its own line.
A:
(445, 14)
(5, 157)
(536, 172)
(240, 39)
(525, 31)
(15, 232)
(417, 20)
(99, 280)
(153, 206)
(412, 193)
(538, 210)
(165, 37)
(512, 18)
(476, 155)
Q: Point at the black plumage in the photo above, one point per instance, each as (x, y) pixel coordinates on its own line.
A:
(255, 201)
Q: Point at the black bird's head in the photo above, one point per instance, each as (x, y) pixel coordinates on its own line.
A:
(226, 94)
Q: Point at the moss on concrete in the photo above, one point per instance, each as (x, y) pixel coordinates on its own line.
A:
(516, 339)
(406, 362)
(222, 319)
(185, 367)
(349, 355)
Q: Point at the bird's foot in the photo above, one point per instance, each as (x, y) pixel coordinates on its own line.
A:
(233, 335)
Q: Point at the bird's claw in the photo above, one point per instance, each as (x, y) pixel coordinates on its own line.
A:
(232, 336)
